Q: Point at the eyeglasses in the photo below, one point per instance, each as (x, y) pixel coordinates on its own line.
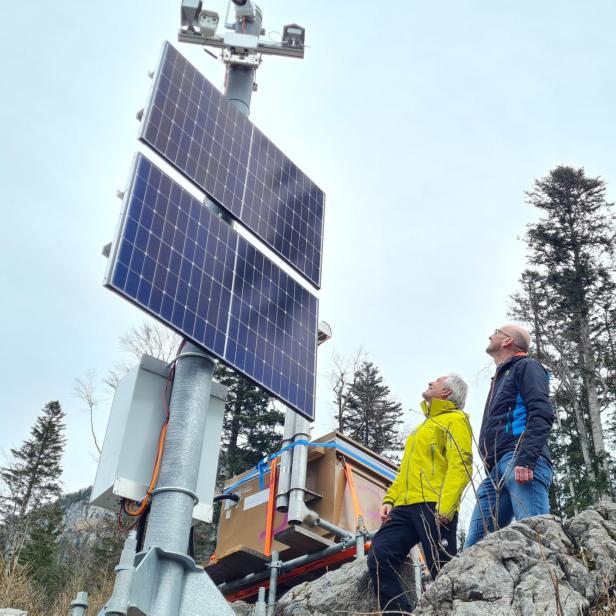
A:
(498, 331)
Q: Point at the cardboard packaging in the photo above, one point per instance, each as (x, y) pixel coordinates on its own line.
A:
(243, 524)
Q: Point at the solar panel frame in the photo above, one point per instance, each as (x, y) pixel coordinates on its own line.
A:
(194, 126)
(192, 271)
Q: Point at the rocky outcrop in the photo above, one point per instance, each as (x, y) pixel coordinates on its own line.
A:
(536, 567)
(344, 591)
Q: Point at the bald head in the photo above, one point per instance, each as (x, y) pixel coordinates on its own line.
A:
(520, 337)
(508, 340)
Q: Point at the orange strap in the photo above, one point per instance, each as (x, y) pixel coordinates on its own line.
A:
(271, 501)
(359, 516)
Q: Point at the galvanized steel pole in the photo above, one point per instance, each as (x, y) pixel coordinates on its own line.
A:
(125, 572)
(173, 499)
(240, 79)
(297, 492)
(273, 587)
(286, 459)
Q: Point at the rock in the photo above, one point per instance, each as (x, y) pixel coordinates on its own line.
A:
(594, 533)
(347, 591)
(536, 567)
(241, 608)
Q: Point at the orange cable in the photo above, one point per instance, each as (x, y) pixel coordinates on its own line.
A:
(159, 451)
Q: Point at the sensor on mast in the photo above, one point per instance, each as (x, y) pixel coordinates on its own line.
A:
(199, 26)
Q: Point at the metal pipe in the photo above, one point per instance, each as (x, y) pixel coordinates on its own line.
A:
(416, 571)
(332, 528)
(308, 558)
(237, 87)
(174, 498)
(125, 572)
(286, 459)
(260, 606)
(297, 492)
(228, 587)
(240, 80)
(360, 552)
(273, 586)
(79, 607)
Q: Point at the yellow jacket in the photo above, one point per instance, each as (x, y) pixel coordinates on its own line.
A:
(437, 462)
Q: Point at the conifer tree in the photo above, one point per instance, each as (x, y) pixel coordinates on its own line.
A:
(33, 477)
(372, 417)
(567, 297)
(252, 425)
(41, 548)
(575, 243)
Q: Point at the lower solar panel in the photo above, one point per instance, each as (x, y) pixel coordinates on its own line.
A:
(185, 266)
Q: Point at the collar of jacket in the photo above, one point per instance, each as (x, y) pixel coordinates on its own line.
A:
(437, 406)
(510, 361)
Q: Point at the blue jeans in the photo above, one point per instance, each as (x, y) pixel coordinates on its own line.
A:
(500, 498)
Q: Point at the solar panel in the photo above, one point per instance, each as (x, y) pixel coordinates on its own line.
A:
(191, 124)
(181, 263)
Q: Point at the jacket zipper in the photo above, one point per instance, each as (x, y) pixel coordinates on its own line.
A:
(432, 452)
(491, 391)
(408, 464)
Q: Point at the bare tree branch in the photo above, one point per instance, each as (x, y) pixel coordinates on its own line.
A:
(84, 390)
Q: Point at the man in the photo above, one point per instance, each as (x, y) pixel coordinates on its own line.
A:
(421, 506)
(513, 441)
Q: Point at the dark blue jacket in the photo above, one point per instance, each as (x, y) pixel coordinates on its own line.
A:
(518, 410)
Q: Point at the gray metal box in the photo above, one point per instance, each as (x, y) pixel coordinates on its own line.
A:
(131, 440)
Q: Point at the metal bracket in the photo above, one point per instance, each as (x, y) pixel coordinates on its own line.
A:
(191, 354)
(176, 489)
(252, 60)
(199, 592)
(275, 564)
(275, 49)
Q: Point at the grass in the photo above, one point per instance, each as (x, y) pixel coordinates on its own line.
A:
(18, 591)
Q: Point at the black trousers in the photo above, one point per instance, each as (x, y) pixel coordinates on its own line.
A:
(407, 526)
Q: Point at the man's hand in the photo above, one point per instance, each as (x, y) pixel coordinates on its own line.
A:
(385, 511)
(523, 474)
(443, 520)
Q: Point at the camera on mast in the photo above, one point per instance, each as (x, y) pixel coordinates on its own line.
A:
(196, 19)
(244, 8)
(293, 35)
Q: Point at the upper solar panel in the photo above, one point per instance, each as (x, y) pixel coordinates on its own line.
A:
(194, 272)
(191, 124)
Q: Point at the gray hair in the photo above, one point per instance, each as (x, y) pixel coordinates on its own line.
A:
(458, 387)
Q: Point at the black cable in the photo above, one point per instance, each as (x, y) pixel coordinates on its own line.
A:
(141, 526)
(191, 542)
(231, 496)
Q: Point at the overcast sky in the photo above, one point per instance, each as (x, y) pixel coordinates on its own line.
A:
(424, 122)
